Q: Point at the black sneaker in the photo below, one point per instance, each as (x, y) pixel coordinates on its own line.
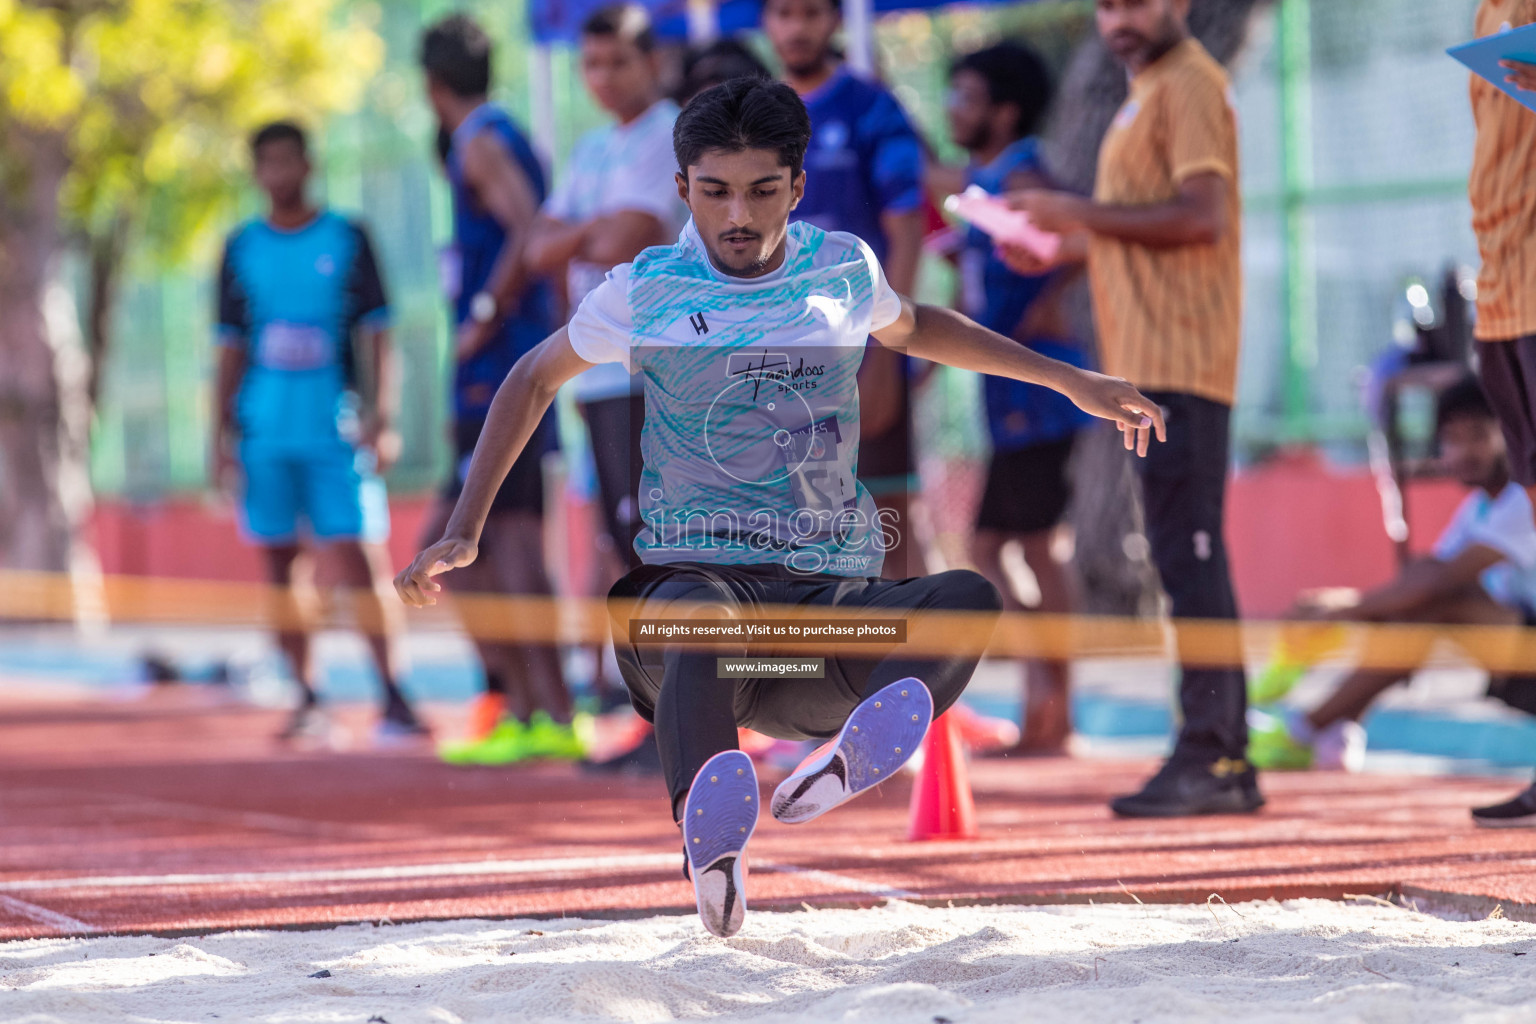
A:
(1184, 787)
(1517, 813)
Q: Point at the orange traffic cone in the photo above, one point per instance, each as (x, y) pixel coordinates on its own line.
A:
(942, 807)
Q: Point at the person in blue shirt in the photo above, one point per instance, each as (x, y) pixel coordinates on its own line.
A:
(863, 175)
(997, 99)
(500, 312)
(296, 289)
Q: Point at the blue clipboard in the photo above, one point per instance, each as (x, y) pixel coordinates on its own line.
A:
(1483, 56)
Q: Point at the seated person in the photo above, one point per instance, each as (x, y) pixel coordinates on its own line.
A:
(1482, 572)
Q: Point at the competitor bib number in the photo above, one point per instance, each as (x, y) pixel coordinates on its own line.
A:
(819, 478)
(287, 346)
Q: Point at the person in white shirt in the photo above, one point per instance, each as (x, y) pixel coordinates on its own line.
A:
(1481, 572)
(614, 198)
(748, 334)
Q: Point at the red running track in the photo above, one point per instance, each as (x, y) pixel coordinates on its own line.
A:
(167, 815)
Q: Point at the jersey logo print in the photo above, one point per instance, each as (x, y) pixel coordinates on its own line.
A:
(700, 326)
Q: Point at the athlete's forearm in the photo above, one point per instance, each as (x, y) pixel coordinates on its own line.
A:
(944, 336)
(520, 403)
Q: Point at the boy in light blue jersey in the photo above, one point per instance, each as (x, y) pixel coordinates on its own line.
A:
(294, 288)
(748, 333)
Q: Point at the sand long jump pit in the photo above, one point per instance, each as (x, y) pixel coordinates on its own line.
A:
(898, 963)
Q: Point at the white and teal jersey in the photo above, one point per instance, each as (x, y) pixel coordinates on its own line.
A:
(751, 437)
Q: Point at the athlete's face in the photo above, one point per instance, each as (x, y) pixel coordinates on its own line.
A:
(740, 204)
(975, 122)
(800, 32)
(281, 171)
(620, 77)
(1472, 448)
(1138, 31)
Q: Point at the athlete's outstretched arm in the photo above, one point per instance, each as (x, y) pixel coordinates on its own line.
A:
(520, 403)
(944, 336)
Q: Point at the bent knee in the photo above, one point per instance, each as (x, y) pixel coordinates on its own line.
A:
(968, 590)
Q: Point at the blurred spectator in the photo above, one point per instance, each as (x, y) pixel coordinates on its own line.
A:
(1502, 188)
(500, 313)
(618, 196)
(864, 175)
(295, 286)
(997, 99)
(1162, 239)
(720, 61)
(1482, 572)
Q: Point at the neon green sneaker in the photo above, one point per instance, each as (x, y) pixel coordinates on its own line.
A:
(546, 738)
(506, 744)
(1276, 679)
(1300, 647)
(1273, 748)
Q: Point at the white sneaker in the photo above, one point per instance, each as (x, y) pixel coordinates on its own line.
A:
(882, 733)
(1340, 747)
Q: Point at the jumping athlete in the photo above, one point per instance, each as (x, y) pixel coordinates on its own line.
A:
(749, 332)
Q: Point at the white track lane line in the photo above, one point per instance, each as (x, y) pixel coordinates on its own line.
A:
(547, 867)
(544, 867)
(42, 915)
(842, 881)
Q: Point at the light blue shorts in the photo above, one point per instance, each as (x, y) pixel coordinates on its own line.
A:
(325, 492)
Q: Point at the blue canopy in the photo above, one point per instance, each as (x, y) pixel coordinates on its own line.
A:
(559, 21)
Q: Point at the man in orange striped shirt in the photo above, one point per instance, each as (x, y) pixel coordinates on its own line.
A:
(1502, 189)
(1161, 237)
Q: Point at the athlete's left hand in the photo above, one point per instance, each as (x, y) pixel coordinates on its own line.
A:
(1522, 75)
(415, 584)
(1117, 400)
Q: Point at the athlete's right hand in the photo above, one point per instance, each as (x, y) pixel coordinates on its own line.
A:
(415, 584)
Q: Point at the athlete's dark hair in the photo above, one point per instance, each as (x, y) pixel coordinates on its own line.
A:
(720, 61)
(1014, 74)
(630, 23)
(457, 52)
(1463, 400)
(278, 131)
(743, 113)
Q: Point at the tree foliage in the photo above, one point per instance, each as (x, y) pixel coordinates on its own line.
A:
(154, 97)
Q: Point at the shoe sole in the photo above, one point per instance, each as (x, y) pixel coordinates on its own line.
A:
(1529, 821)
(719, 818)
(882, 733)
(1165, 811)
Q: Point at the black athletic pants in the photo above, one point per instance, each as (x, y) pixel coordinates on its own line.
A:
(696, 713)
(1183, 489)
